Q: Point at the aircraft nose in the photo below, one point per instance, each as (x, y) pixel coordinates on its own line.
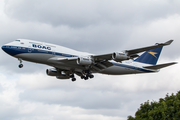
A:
(7, 49)
(3, 48)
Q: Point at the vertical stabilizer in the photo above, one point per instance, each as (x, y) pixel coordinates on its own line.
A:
(150, 56)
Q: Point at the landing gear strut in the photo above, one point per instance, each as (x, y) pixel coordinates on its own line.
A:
(20, 65)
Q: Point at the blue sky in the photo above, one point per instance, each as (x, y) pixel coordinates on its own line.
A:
(94, 26)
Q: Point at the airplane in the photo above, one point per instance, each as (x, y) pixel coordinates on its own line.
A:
(67, 62)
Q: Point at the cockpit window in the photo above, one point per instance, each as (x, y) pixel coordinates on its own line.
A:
(17, 40)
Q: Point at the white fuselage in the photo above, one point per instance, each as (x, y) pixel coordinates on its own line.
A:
(40, 52)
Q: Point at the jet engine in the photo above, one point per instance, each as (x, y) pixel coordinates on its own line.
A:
(59, 75)
(119, 56)
(84, 61)
(52, 72)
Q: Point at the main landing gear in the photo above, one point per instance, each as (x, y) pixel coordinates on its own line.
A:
(87, 75)
(73, 78)
(84, 75)
(20, 65)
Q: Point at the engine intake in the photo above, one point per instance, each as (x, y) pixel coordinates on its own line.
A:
(52, 72)
(119, 56)
(84, 61)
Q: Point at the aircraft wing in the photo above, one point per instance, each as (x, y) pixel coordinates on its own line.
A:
(100, 62)
(97, 65)
(129, 54)
(139, 50)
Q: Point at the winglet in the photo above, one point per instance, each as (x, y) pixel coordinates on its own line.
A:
(168, 42)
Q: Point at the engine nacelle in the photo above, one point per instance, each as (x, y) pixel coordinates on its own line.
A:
(62, 77)
(84, 61)
(59, 75)
(52, 72)
(119, 57)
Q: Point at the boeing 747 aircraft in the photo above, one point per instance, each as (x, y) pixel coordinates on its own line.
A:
(67, 63)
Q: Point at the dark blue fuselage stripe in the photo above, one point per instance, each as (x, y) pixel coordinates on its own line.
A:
(14, 50)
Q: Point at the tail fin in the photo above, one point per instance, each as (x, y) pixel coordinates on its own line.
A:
(150, 56)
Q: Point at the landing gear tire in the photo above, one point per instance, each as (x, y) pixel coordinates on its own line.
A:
(73, 79)
(20, 65)
(91, 76)
(86, 78)
(82, 77)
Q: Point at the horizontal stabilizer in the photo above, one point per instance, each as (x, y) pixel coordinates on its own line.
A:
(155, 67)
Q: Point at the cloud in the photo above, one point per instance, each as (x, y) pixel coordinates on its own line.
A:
(160, 30)
(84, 13)
(12, 102)
(97, 27)
(37, 96)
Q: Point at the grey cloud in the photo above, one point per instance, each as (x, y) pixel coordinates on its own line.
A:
(77, 13)
(105, 95)
(84, 13)
(98, 101)
(77, 98)
(1, 88)
(109, 23)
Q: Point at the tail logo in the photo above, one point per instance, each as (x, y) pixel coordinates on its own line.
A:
(153, 54)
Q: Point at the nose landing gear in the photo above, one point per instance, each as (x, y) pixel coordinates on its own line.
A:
(20, 65)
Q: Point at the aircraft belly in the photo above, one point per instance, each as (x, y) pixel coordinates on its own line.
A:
(35, 57)
(43, 59)
(117, 70)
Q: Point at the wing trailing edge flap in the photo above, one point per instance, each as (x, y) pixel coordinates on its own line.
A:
(101, 65)
(156, 67)
(102, 57)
